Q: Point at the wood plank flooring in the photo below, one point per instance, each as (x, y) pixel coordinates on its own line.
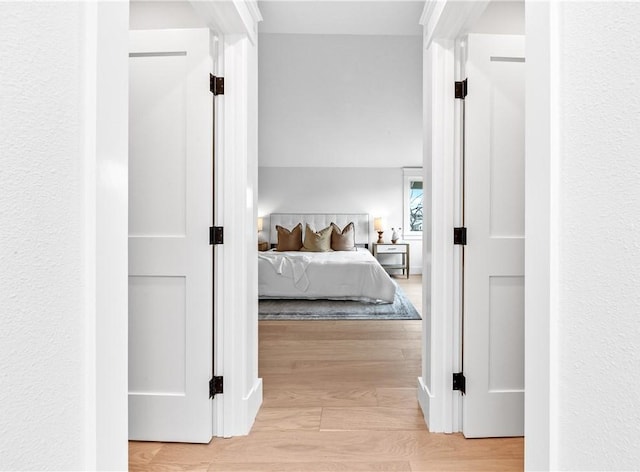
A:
(338, 396)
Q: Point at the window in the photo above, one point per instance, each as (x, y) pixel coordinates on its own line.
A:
(413, 202)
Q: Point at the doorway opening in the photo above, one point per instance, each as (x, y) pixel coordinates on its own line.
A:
(336, 136)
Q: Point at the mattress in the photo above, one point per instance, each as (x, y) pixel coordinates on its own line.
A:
(336, 275)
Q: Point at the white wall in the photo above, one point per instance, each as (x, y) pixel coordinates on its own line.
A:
(501, 17)
(583, 335)
(42, 240)
(146, 14)
(380, 17)
(599, 330)
(340, 101)
(60, 263)
(339, 117)
(376, 191)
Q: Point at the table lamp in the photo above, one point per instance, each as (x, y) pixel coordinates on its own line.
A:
(377, 225)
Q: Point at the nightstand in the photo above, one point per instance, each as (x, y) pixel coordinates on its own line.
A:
(389, 248)
(263, 246)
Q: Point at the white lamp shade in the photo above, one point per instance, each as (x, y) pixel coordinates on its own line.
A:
(260, 223)
(377, 224)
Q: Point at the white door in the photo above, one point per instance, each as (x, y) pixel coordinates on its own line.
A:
(170, 259)
(493, 346)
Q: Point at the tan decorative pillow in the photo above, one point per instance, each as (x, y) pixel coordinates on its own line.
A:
(289, 240)
(317, 241)
(344, 240)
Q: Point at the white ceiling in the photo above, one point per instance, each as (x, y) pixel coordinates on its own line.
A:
(361, 17)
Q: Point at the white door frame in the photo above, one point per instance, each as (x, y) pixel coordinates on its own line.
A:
(105, 96)
(542, 232)
(444, 22)
(234, 25)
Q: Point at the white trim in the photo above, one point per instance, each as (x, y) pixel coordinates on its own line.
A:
(427, 173)
(253, 402)
(542, 161)
(449, 19)
(238, 318)
(440, 415)
(234, 39)
(444, 343)
(424, 399)
(218, 251)
(444, 23)
(230, 17)
(105, 130)
(458, 220)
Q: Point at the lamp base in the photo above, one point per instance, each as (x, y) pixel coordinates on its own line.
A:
(380, 240)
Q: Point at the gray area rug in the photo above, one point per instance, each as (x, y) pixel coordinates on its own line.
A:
(400, 309)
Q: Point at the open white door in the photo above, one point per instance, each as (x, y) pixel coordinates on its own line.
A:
(170, 259)
(493, 353)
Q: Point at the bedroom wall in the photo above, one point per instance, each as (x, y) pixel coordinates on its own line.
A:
(340, 101)
(339, 118)
(376, 191)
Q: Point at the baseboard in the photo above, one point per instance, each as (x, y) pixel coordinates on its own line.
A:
(250, 406)
(424, 399)
(253, 403)
(239, 414)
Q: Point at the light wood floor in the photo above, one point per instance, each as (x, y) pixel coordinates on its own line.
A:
(338, 396)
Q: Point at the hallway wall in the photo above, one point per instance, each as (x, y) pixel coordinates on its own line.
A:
(583, 258)
(63, 302)
(599, 271)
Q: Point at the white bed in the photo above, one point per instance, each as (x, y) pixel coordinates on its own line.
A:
(341, 275)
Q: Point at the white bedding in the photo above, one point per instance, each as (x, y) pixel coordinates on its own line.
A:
(342, 275)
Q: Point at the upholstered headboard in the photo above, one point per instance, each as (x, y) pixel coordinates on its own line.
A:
(318, 221)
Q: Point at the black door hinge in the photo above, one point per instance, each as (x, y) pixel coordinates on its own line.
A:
(459, 382)
(460, 236)
(216, 84)
(216, 386)
(216, 235)
(461, 89)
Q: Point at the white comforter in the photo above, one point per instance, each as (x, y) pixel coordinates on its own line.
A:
(343, 275)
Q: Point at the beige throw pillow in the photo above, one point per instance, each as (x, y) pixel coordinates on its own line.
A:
(344, 240)
(289, 240)
(317, 241)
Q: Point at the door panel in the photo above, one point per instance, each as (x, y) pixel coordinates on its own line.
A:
(170, 259)
(157, 200)
(506, 109)
(506, 333)
(157, 364)
(494, 256)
